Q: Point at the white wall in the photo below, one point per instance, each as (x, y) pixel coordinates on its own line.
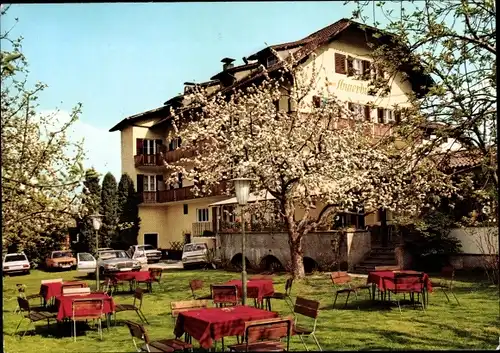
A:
(477, 241)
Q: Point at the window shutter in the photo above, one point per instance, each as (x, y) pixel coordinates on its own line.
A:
(366, 69)
(179, 142)
(140, 183)
(180, 180)
(170, 146)
(340, 64)
(367, 113)
(350, 106)
(380, 115)
(139, 143)
(397, 116)
(350, 68)
(158, 143)
(317, 101)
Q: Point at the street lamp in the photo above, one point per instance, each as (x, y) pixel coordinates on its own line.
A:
(242, 188)
(96, 223)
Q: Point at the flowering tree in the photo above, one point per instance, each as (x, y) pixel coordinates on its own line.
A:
(41, 167)
(456, 42)
(315, 160)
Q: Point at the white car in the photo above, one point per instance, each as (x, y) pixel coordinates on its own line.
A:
(194, 254)
(153, 255)
(16, 263)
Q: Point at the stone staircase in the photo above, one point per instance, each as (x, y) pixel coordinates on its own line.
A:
(378, 256)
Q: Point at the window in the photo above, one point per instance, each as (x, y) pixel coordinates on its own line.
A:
(357, 67)
(202, 215)
(149, 183)
(149, 147)
(385, 116)
(185, 208)
(357, 110)
(271, 61)
(228, 214)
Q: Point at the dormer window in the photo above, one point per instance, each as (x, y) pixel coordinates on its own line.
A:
(271, 61)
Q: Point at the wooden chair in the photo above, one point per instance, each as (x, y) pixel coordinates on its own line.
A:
(138, 296)
(282, 296)
(224, 295)
(446, 284)
(408, 283)
(32, 316)
(257, 277)
(76, 291)
(21, 292)
(308, 308)
(56, 280)
(156, 274)
(197, 285)
(138, 331)
(108, 286)
(265, 336)
(180, 306)
(340, 279)
(87, 309)
(387, 268)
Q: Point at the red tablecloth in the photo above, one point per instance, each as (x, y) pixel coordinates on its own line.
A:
(385, 280)
(54, 289)
(130, 275)
(64, 304)
(258, 288)
(207, 325)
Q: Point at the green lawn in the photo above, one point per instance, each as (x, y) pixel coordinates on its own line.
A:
(472, 325)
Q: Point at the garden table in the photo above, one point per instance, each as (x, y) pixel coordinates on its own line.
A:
(384, 280)
(132, 276)
(64, 305)
(53, 289)
(257, 288)
(211, 324)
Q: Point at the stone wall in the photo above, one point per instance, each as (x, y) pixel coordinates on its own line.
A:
(318, 246)
(358, 246)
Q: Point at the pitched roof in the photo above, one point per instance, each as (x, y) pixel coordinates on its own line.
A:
(459, 159)
(312, 42)
(137, 117)
(233, 69)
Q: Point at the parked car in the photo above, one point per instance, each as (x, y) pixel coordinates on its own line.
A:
(16, 263)
(108, 261)
(153, 255)
(63, 259)
(194, 254)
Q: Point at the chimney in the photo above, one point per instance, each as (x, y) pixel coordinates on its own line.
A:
(228, 63)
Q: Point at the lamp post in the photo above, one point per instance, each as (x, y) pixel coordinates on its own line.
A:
(96, 223)
(242, 188)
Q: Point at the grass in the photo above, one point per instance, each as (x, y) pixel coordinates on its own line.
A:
(472, 325)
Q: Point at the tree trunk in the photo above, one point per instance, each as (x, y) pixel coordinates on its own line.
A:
(297, 255)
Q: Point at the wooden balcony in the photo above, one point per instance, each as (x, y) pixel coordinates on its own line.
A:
(175, 155)
(180, 194)
(148, 160)
(154, 160)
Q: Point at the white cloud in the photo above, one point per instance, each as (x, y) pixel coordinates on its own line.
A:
(102, 148)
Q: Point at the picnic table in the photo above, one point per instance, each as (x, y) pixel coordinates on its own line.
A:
(64, 304)
(257, 288)
(384, 280)
(211, 324)
(53, 289)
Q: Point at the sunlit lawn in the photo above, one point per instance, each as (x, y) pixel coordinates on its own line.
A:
(472, 325)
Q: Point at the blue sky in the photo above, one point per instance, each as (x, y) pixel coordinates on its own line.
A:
(121, 59)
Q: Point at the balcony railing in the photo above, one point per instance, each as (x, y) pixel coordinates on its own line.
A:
(175, 155)
(179, 194)
(151, 160)
(148, 160)
(199, 228)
